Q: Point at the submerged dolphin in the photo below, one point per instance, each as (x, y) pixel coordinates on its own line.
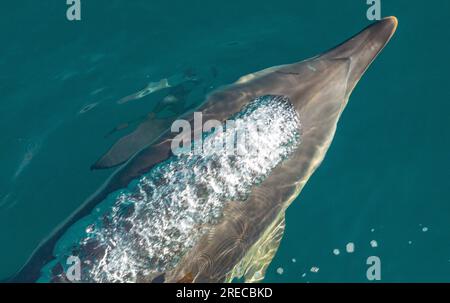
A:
(202, 218)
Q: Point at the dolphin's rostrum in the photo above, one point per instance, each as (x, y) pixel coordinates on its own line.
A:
(212, 217)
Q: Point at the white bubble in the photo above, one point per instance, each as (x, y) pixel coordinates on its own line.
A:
(410, 242)
(372, 230)
(294, 260)
(90, 229)
(425, 229)
(350, 247)
(303, 275)
(280, 270)
(336, 251)
(314, 269)
(374, 243)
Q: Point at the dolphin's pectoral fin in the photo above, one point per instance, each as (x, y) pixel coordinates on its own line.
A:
(256, 261)
(127, 146)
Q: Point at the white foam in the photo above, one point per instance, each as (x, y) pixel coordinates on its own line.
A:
(168, 209)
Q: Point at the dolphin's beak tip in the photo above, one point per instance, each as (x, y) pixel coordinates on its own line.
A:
(391, 22)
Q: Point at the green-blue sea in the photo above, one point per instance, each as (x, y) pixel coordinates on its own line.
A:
(383, 187)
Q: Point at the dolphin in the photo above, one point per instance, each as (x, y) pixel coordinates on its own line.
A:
(163, 217)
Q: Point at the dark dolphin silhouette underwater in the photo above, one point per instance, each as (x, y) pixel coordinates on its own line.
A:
(212, 218)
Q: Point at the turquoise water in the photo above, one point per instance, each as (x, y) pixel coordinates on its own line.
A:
(385, 177)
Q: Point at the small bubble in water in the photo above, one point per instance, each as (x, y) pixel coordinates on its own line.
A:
(350, 247)
(374, 243)
(336, 251)
(409, 242)
(90, 228)
(280, 270)
(425, 229)
(294, 260)
(303, 275)
(372, 230)
(314, 269)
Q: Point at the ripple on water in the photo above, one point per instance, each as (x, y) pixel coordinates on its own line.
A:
(87, 108)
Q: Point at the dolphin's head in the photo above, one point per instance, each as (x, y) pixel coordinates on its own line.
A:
(334, 74)
(319, 87)
(362, 49)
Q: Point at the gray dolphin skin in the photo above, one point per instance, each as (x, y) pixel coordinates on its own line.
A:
(213, 217)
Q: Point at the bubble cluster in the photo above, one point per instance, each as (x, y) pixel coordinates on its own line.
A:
(161, 215)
